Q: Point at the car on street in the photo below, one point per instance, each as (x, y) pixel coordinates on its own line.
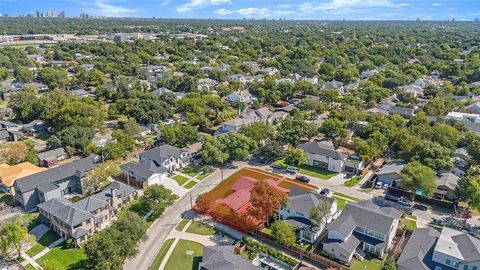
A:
(291, 170)
(385, 186)
(420, 207)
(276, 167)
(325, 191)
(392, 198)
(405, 202)
(303, 179)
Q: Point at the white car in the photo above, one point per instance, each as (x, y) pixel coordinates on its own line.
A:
(379, 184)
(385, 186)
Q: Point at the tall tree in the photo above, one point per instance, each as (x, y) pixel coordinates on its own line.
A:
(284, 233)
(271, 151)
(265, 200)
(468, 190)
(94, 178)
(416, 176)
(295, 157)
(15, 236)
(321, 214)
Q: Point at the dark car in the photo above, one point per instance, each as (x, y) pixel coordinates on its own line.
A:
(392, 198)
(276, 167)
(325, 191)
(303, 179)
(420, 207)
(407, 211)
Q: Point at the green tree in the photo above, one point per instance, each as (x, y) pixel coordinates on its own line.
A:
(271, 151)
(14, 235)
(94, 179)
(213, 152)
(295, 157)
(446, 135)
(83, 113)
(468, 190)
(321, 214)
(257, 132)
(416, 176)
(157, 199)
(293, 129)
(179, 135)
(4, 73)
(53, 77)
(389, 264)
(135, 225)
(23, 74)
(284, 233)
(76, 136)
(334, 129)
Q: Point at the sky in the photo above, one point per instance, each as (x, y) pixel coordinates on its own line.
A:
(255, 9)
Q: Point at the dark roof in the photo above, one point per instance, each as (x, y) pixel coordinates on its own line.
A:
(447, 179)
(224, 258)
(362, 214)
(302, 201)
(54, 153)
(144, 169)
(119, 188)
(76, 168)
(163, 152)
(322, 149)
(6, 124)
(65, 211)
(90, 204)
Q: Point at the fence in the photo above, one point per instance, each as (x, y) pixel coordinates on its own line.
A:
(309, 256)
(419, 198)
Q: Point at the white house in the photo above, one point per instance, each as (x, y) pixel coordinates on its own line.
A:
(237, 78)
(240, 96)
(166, 156)
(144, 173)
(297, 213)
(236, 124)
(306, 77)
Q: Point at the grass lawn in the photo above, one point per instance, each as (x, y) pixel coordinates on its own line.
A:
(309, 170)
(410, 225)
(352, 182)
(34, 220)
(374, 264)
(46, 240)
(180, 179)
(204, 175)
(67, 258)
(161, 254)
(200, 228)
(30, 267)
(338, 194)
(190, 184)
(341, 202)
(192, 170)
(185, 256)
(181, 225)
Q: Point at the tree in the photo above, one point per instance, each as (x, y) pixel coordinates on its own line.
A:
(157, 199)
(96, 177)
(416, 176)
(53, 77)
(271, 151)
(114, 151)
(79, 113)
(4, 73)
(23, 74)
(13, 153)
(432, 155)
(446, 135)
(179, 135)
(25, 105)
(15, 236)
(131, 127)
(133, 224)
(468, 190)
(265, 200)
(213, 153)
(321, 214)
(334, 128)
(237, 145)
(295, 157)
(389, 264)
(54, 142)
(284, 233)
(257, 132)
(76, 136)
(124, 139)
(293, 129)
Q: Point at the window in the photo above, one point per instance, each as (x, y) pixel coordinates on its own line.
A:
(469, 267)
(452, 263)
(438, 268)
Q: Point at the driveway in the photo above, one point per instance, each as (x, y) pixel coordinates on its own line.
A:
(39, 231)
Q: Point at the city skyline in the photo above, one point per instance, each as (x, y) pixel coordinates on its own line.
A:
(268, 9)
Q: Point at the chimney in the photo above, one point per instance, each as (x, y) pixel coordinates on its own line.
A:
(114, 198)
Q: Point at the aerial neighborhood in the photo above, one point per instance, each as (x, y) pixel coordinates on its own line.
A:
(238, 144)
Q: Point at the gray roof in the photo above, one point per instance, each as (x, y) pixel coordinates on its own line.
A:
(332, 85)
(238, 122)
(54, 204)
(322, 149)
(120, 188)
(76, 168)
(163, 152)
(392, 167)
(79, 232)
(35, 125)
(79, 93)
(302, 201)
(90, 204)
(6, 124)
(144, 169)
(224, 258)
(65, 211)
(447, 179)
(54, 153)
(362, 214)
(406, 112)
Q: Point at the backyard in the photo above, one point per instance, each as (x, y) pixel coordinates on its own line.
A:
(373, 264)
(309, 170)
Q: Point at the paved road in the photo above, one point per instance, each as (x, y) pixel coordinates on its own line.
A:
(159, 231)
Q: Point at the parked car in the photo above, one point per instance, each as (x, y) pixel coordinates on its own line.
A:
(291, 170)
(303, 179)
(392, 198)
(404, 201)
(385, 186)
(325, 191)
(276, 167)
(379, 184)
(420, 207)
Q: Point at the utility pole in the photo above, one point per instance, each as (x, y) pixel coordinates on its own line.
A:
(191, 207)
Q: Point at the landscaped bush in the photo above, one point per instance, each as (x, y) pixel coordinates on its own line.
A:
(328, 255)
(270, 252)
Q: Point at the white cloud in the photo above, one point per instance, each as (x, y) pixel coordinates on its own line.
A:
(437, 4)
(195, 4)
(338, 6)
(223, 12)
(284, 6)
(253, 12)
(107, 8)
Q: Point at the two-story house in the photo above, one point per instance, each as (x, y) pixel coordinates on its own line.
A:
(322, 154)
(52, 183)
(170, 157)
(144, 173)
(297, 213)
(361, 225)
(429, 249)
(81, 219)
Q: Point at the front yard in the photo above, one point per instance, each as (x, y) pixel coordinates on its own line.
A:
(180, 179)
(309, 170)
(343, 199)
(200, 228)
(46, 240)
(352, 182)
(186, 255)
(66, 258)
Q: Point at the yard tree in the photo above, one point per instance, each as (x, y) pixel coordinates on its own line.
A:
(446, 135)
(416, 176)
(265, 200)
(284, 233)
(25, 105)
(432, 154)
(468, 190)
(53, 77)
(124, 139)
(295, 157)
(271, 151)
(23, 74)
(238, 146)
(257, 132)
(133, 224)
(54, 142)
(114, 151)
(4, 73)
(213, 153)
(293, 129)
(205, 202)
(179, 135)
(366, 150)
(15, 235)
(334, 128)
(131, 127)
(83, 113)
(321, 214)
(157, 199)
(94, 178)
(76, 136)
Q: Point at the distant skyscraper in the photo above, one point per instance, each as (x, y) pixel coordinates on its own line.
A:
(62, 14)
(38, 14)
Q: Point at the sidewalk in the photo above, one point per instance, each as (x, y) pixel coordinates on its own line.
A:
(29, 260)
(47, 249)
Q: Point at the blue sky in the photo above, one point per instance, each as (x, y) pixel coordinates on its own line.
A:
(270, 9)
